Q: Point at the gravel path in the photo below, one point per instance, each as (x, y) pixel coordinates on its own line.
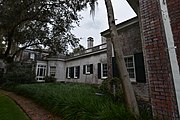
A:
(34, 111)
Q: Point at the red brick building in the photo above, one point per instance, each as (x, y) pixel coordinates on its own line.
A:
(160, 33)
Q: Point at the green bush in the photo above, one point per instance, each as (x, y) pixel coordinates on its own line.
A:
(19, 73)
(50, 79)
(1, 76)
(108, 85)
(75, 101)
(145, 110)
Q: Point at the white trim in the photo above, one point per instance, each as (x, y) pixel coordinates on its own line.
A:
(38, 67)
(103, 77)
(68, 73)
(171, 50)
(131, 56)
(32, 56)
(52, 71)
(75, 68)
(88, 72)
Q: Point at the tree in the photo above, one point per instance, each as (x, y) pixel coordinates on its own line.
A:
(48, 23)
(117, 44)
(78, 49)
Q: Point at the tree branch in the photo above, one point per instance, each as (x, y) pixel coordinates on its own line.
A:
(23, 48)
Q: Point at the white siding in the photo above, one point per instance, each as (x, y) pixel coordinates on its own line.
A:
(93, 59)
(60, 70)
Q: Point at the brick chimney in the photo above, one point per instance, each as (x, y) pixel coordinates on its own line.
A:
(90, 41)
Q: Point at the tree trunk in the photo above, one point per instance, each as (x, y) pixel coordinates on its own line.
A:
(8, 47)
(9, 40)
(117, 44)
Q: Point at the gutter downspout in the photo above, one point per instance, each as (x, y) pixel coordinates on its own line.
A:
(171, 50)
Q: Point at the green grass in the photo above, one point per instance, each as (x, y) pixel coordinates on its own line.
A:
(9, 110)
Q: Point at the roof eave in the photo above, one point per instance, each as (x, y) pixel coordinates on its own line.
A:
(134, 5)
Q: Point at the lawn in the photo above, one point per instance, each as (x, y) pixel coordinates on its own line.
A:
(9, 110)
(75, 101)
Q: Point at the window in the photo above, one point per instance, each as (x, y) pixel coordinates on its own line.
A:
(53, 71)
(130, 67)
(76, 71)
(32, 56)
(73, 72)
(104, 70)
(88, 69)
(70, 72)
(41, 72)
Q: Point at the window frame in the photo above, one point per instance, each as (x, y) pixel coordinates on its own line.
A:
(68, 72)
(76, 70)
(88, 69)
(102, 71)
(41, 77)
(51, 72)
(32, 56)
(88, 72)
(73, 75)
(131, 68)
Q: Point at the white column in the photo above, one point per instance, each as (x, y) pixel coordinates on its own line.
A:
(171, 50)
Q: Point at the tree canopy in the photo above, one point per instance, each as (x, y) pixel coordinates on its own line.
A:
(26, 23)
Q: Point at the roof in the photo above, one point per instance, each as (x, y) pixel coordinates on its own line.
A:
(134, 5)
(122, 25)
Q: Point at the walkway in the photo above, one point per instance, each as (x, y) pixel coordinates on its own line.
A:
(34, 111)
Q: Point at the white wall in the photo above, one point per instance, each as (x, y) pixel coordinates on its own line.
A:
(60, 70)
(93, 59)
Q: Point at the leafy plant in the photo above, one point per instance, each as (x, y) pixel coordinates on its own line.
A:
(75, 101)
(78, 102)
(49, 79)
(19, 73)
(113, 86)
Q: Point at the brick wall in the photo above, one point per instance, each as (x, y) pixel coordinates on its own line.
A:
(159, 75)
(129, 32)
(131, 39)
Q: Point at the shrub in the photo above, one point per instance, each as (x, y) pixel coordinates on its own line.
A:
(50, 79)
(113, 86)
(145, 110)
(19, 73)
(1, 76)
(75, 101)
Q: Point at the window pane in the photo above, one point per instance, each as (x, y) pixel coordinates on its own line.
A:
(40, 71)
(32, 56)
(104, 70)
(69, 73)
(130, 66)
(131, 73)
(52, 70)
(76, 72)
(88, 69)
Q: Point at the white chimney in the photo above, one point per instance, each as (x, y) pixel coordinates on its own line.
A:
(90, 41)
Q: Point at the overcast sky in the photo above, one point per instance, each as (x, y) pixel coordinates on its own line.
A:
(92, 28)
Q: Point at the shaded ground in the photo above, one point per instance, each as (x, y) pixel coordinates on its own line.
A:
(34, 111)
